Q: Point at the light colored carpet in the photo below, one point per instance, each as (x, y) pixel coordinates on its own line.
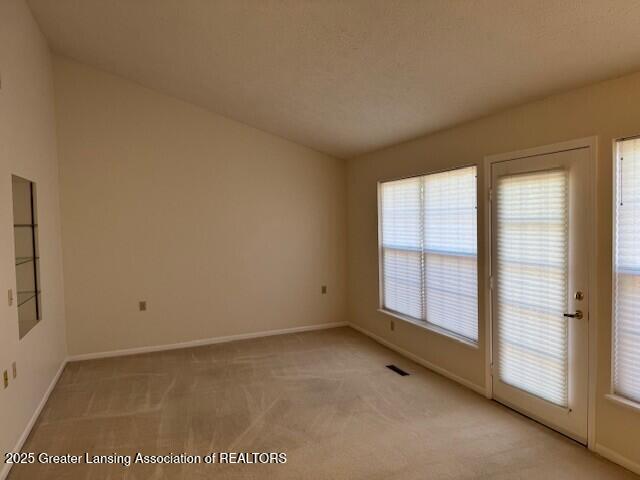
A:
(325, 398)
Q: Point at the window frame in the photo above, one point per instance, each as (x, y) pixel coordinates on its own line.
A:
(425, 324)
(612, 395)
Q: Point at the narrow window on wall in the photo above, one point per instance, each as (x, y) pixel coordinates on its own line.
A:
(428, 250)
(626, 355)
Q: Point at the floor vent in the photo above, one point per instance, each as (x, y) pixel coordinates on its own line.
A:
(398, 370)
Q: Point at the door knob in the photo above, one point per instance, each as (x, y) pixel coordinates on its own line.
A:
(578, 315)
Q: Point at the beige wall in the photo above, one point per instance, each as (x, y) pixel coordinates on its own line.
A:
(607, 110)
(221, 228)
(28, 149)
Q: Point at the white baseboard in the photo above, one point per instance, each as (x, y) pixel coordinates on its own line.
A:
(421, 361)
(204, 341)
(27, 430)
(617, 458)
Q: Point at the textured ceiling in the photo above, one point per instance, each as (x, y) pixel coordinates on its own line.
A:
(349, 76)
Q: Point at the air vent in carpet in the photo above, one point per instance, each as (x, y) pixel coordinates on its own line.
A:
(398, 370)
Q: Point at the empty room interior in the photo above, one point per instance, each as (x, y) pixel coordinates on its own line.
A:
(320, 239)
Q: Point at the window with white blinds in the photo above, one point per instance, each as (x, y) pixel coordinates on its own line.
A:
(626, 355)
(429, 250)
(532, 265)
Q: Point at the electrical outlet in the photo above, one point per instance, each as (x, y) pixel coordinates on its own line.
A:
(14, 369)
(324, 289)
(5, 379)
(143, 305)
(10, 296)
(392, 325)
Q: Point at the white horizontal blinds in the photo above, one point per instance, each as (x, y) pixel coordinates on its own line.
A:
(401, 203)
(429, 249)
(626, 378)
(532, 263)
(450, 251)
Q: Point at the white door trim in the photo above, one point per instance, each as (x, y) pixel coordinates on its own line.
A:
(592, 144)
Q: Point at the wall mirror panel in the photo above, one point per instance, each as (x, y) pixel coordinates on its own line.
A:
(27, 259)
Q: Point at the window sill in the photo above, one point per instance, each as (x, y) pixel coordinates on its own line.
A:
(623, 402)
(432, 328)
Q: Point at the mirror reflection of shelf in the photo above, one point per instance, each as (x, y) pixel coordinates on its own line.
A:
(24, 297)
(25, 237)
(21, 260)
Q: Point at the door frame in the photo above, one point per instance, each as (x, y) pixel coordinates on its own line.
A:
(591, 143)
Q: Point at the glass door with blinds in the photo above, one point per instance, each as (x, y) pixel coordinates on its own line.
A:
(539, 278)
